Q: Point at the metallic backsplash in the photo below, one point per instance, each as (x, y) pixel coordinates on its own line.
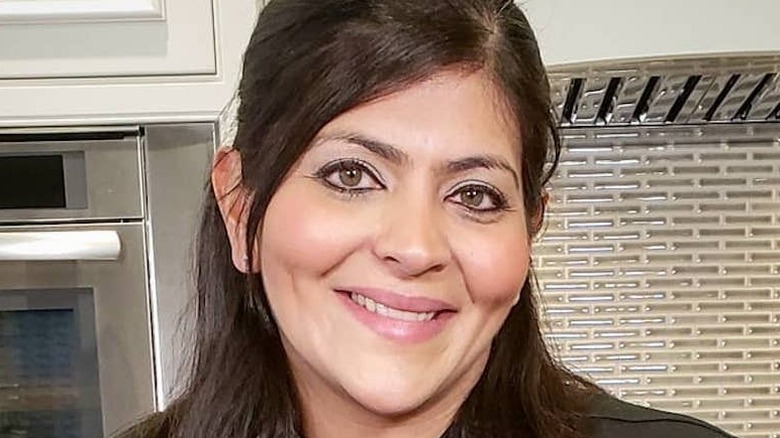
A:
(660, 268)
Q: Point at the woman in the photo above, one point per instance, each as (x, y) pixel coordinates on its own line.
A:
(364, 259)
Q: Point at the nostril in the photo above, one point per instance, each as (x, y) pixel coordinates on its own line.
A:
(412, 249)
(437, 268)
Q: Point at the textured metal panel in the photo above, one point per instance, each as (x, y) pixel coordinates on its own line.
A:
(628, 98)
(738, 95)
(590, 102)
(768, 101)
(669, 91)
(558, 94)
(660, 268)
(692, 103)
(704, 106)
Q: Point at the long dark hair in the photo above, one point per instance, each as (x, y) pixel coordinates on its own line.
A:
(307, 62)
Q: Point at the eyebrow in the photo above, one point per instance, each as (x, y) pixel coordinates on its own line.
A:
(383, 150)
(484, 162)
(397, 156)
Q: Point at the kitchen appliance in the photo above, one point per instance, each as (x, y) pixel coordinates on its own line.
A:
(95, 225)
(736, 89)
(660, 263)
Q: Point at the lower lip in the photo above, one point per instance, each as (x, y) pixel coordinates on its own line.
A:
(394, 329)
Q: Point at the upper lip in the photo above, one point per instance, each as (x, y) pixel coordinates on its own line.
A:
(401, 302)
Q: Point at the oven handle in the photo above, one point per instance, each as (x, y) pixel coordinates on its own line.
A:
(59, 245)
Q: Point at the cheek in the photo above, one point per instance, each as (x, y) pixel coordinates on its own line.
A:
(495, 266)
(303, 232)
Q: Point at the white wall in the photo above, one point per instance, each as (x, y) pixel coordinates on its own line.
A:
(573, 31)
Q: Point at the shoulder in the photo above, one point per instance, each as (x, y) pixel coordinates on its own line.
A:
(610, 417)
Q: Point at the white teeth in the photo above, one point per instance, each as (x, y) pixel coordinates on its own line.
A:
(370, 305)
(381, 309)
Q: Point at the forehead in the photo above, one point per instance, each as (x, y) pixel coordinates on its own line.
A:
(450, 114)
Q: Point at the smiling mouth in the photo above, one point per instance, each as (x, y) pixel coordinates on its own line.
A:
(389, 312)
(407, 319)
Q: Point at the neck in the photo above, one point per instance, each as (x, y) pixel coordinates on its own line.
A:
(330, 421)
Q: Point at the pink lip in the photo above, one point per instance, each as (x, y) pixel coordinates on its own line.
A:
(394, 329)
(402, 302)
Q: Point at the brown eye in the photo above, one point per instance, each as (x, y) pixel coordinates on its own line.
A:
(472, 197)
(350, 177)
(479, 198)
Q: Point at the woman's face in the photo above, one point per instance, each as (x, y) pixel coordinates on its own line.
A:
(397, 245)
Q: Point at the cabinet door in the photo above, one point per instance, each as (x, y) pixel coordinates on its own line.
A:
(574, 31)
(105, 38)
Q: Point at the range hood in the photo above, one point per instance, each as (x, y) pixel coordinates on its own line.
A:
(652, 93)
(681, 91)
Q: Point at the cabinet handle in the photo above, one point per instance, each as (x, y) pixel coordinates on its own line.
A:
(59, 245)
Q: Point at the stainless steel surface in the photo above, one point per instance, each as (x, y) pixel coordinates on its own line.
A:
(691, 104)
(590, 100)
(133, 198)
(661, 92)
(767, 101)
(178, 159)
(660, 261)
(669, 90)
(660, 267)
(627, 99)
(699, 114)
(558, 95)
(743, 88)
(121, 314)
(111, 173)
(59, 245)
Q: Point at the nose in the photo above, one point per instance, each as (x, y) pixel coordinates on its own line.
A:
(411, 240)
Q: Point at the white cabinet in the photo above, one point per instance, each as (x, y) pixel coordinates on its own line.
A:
(574, 31)
(65, 62)
(81, 38)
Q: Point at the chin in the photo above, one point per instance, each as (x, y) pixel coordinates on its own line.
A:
(385, 401)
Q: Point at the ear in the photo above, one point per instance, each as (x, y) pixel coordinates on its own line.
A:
(234, 201)
(537, 220)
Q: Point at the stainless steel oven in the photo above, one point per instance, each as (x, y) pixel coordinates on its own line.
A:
(83, 322)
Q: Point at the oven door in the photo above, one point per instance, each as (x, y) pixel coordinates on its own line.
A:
(75, 347)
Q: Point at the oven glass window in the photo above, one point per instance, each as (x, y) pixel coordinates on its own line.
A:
(49, 383)
(36, 181)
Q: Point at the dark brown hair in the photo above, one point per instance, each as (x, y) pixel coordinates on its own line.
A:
(309, 61)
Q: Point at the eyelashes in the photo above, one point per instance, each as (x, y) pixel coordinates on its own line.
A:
(350, 176)
(479, 197)
(355, 177)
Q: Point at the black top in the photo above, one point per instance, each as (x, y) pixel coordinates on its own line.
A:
(610, 418)
(613, 418)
